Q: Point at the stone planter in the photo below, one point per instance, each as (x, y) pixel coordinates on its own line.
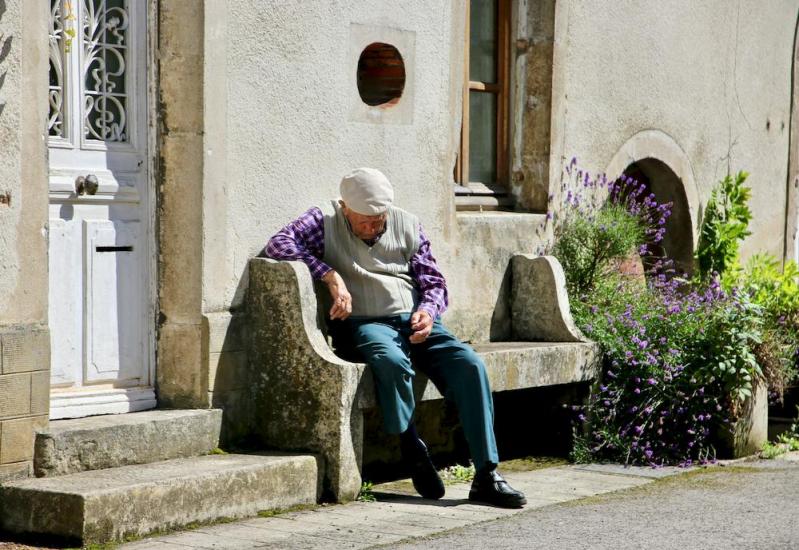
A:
(747, 435)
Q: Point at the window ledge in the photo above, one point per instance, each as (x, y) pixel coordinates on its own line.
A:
(479, 197)
(483, 202)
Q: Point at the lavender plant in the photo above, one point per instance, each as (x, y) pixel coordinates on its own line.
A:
(678, 354)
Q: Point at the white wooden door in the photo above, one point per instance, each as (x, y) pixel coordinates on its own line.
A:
(100, 234)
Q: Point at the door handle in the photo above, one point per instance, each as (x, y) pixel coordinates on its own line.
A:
(86, 185)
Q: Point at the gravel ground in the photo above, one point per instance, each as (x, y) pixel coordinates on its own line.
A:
(750, 505)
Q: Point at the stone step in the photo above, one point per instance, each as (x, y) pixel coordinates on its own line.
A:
(98, 442)
(106, 505)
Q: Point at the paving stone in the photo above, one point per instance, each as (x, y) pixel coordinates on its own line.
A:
(377, 513)
(352, 533)
(153, 545)
(638, 471)
(198, 538)
(397, 515)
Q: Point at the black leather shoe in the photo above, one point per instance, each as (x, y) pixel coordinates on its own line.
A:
(489, 487)
(425, 478)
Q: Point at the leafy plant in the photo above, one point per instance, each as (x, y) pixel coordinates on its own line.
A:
(457, 474)
(366, 493)
(725, 224)
(786, 442)
(776, 290)
(586, 243)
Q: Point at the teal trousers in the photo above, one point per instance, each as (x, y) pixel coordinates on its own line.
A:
(454, 367)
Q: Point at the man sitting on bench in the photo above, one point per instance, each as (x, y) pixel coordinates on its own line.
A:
(387, 290)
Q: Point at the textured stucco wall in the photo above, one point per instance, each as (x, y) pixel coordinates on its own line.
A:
(714, 76)
(292, 133)
(708, 78)
(23, 179)
(24, 339)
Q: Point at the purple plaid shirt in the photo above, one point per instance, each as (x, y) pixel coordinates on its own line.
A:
(304, 239)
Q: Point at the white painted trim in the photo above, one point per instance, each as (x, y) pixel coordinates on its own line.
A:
(111, 401)
(119, 188)
(93, 400)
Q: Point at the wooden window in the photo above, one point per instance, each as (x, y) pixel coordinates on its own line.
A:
(482, 166)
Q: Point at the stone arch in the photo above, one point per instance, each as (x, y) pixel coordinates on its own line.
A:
(656, 160)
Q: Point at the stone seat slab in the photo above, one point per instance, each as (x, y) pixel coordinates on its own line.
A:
(99, 442)
(105, 505)
(517, 365)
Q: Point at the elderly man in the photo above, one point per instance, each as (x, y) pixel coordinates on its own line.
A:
(387, 291)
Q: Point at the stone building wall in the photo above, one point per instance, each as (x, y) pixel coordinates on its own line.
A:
(260, 116)
(702, 88)
(24, 338)
(711, 79)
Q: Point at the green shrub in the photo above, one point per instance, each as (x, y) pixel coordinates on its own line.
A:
(776, 290)
(725, 224)
(586, 244)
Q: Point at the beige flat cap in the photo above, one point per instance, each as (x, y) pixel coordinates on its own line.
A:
(367, 191)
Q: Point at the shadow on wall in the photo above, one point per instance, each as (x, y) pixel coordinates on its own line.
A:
(661, 180)
(5, 49)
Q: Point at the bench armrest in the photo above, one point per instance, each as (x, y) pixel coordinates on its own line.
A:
(539, 301)
(304, 394)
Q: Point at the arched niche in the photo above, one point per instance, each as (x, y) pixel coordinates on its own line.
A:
(653, 158)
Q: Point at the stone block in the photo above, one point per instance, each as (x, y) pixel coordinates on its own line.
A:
(747, 434)
(15, 470)
(297, 379)
(99, 442)
(227, 371)
(540, 304)
(110, 504)
(15, 395)
(226, 332)
(17, 437)
(182, 381)
(40, 392)
(237, 420)
(25, 349)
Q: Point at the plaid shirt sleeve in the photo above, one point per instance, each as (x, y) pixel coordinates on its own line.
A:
(432, 285)
(303, 239)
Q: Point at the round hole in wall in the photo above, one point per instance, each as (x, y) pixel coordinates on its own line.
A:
(381, 75)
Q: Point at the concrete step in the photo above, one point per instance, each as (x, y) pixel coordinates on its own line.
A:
(106, 505)
(97, 442)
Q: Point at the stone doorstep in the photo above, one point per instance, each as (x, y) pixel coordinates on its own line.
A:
(108, 441)
(106, 505)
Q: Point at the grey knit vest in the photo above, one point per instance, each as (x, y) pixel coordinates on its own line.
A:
(378, 276)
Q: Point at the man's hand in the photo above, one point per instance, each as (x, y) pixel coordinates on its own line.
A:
(342, 300)
(422, 325)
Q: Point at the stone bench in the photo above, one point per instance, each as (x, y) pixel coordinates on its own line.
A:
(308, 399)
